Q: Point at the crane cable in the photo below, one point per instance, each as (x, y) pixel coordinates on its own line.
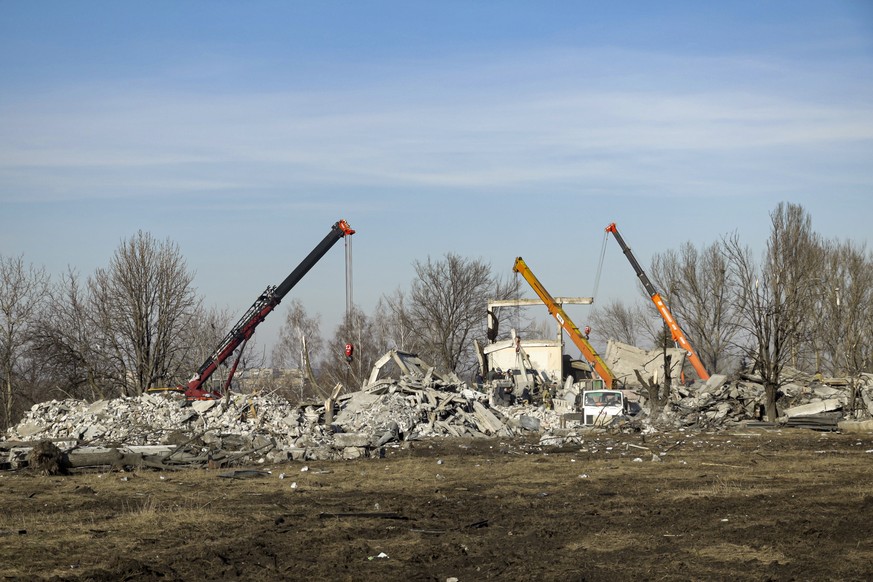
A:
(349, 303)
(599, 266)
(349, 348)
(516, 311)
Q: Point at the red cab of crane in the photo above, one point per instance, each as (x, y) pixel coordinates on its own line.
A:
(350, 352)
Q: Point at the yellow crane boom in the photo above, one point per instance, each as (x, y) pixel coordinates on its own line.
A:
(559, 314)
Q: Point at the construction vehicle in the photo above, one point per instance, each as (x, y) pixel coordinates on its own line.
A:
(594, 406)
(260, 309)
(561, 316)
(675, 330)
(599, 407)
(527, 368)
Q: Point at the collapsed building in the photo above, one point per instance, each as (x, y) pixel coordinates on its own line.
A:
(413, 403)
(526, 388)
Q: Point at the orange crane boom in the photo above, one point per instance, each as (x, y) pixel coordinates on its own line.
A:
(672, 324)
(559, 314)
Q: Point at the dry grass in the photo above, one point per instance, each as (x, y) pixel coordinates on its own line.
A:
(714, 507)
(741, 554)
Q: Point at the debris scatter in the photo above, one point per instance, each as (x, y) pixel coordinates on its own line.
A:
(162, 429)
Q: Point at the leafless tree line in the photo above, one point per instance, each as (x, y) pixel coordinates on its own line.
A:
(134, 325)
(804, 302)
(139, 323)
(437, 318)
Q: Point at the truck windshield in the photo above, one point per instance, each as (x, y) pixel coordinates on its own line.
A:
(602, 399)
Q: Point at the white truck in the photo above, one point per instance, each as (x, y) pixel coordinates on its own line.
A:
(599, 407)
(588, 402)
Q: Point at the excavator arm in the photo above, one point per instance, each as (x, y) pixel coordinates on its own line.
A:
(561, 316)
(675, 330)
(263, 305)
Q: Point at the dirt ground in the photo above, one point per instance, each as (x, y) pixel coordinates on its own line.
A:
(748, 505)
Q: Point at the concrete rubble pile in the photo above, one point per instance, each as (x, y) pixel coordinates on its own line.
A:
(719, 403)
(242, 428)
(255, 428)
(803, 400)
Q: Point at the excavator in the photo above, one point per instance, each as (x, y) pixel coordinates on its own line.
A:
(676, 331)
(260, 309)
(561, 316)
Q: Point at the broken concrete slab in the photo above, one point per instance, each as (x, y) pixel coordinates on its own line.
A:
(827, 391)
(343, 440)
(354, 404)
(715, 382)
(350, 453)
(202, 406)
(529, 423)
(856, 425)
(813, 408)
(26, 430)
(623, 359)
(97, 407)
(488, 423)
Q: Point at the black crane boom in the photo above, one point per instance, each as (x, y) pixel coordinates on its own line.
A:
(263, 305)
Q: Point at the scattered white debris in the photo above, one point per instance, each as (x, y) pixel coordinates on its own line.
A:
(385, 412)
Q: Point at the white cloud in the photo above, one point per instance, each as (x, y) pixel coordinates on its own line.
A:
(609, 117)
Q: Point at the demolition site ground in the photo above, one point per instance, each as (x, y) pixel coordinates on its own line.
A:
(750, 504)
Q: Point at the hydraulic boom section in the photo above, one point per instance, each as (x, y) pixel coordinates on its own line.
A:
(267, 302)
(675, 330)
(559, 314)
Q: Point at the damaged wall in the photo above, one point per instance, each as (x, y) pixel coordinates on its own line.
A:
(623, 359)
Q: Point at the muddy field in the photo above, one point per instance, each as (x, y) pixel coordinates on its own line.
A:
(749, 505)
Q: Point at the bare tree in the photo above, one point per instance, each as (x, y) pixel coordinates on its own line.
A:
(695, 285)
(298, 331)
(66, 339)
(357, 329)
(844, 296)
(144, 301)
(541, 327)
(619, 321)
(206, 329)
(393, 323)
(300, 344)
(447, 307)
(23, 292)
(773, 299)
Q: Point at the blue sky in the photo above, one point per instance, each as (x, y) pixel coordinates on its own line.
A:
(243, 130)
